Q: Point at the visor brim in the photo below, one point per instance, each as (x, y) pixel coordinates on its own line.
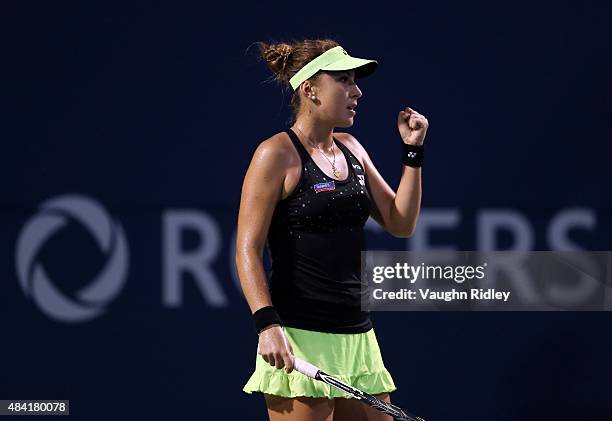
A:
(362, 67)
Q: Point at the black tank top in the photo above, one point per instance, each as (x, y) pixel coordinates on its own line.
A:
(315, 242)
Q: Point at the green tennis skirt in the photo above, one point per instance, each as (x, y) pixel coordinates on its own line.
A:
(353, 358)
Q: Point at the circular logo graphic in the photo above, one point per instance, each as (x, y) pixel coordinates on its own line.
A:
(91, 300)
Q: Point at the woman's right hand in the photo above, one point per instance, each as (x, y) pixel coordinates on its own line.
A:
(275, 348)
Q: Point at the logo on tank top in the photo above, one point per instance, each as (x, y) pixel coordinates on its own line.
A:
(361, 179)
(357, 167)
(319, 187)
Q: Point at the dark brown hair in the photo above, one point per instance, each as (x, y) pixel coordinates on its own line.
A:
(286, 59)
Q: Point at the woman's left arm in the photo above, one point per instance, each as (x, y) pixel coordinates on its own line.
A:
(397, 212)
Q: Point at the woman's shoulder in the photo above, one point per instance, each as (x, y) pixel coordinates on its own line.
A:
(276, 148)
(278, 142)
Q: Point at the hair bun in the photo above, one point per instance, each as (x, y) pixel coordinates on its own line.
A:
(277, 56)
(285, 51)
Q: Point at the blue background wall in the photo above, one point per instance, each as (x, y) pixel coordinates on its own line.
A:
(153, 110)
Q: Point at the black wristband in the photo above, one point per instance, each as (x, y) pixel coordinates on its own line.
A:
(265, 317)
(412, 155)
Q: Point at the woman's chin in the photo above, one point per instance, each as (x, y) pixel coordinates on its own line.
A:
(347, 122)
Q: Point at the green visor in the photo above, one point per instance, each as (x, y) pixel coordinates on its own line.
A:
(334, 59)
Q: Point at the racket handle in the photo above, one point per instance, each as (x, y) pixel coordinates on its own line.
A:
(305, 368)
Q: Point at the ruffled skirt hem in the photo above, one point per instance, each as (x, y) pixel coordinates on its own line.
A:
(296, 384)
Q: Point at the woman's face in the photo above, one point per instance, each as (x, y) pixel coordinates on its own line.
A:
(337, 92)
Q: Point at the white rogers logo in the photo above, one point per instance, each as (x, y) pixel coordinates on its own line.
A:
(90, 300)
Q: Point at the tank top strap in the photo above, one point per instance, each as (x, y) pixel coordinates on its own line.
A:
(352, 160)
(298, 145)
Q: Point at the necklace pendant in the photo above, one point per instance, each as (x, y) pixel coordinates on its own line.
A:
(336, 172)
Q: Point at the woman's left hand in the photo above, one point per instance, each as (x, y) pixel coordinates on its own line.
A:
(412, 126)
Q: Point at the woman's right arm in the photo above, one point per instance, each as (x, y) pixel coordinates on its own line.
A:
(261, 190)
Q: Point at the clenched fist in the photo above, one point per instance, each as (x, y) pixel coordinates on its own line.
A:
(412, 126)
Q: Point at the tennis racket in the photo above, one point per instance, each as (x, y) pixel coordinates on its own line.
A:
(315, 372)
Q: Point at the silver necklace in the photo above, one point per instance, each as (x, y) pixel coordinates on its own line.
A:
(333, 164)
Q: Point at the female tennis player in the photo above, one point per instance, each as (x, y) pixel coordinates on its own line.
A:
(309, 191)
